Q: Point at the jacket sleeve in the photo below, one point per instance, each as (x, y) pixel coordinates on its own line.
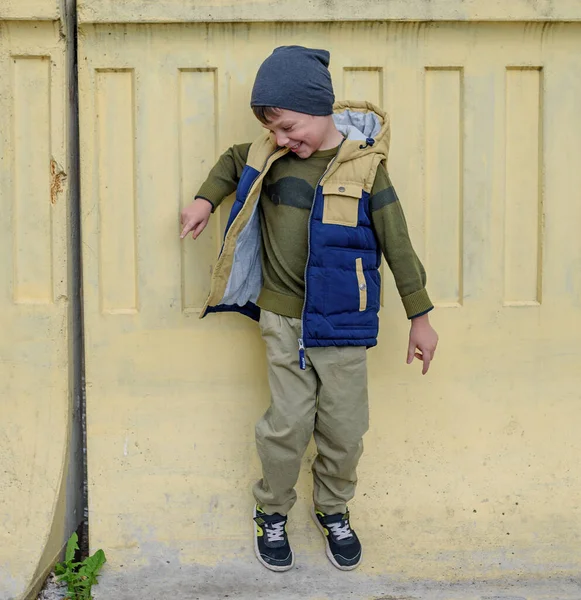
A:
(392, 233)
(224, 176)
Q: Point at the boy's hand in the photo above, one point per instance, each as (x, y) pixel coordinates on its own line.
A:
(423, 338)
(195, 217)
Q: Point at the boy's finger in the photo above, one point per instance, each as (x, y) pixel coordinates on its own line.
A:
(187, 228)
(198, 229)
(411, 349)
(426, 363)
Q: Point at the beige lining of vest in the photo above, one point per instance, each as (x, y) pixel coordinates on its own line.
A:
(224, 264)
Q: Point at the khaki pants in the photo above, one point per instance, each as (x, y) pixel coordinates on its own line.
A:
(329, 400)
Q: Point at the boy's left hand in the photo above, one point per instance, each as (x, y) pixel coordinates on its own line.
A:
(424, 339)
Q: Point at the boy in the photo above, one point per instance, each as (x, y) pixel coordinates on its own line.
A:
(314, 209)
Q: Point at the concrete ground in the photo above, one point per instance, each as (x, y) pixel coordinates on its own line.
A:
(318, 581)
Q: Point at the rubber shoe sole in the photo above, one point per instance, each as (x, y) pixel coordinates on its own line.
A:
(328, 548)
(261, 560)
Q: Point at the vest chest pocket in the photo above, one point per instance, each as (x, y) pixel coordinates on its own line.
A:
(341, 204)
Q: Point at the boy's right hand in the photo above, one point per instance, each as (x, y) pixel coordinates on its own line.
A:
(195, 217)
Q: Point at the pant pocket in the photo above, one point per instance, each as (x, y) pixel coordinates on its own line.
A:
(267, 322)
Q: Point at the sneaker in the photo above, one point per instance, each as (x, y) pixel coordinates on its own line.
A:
(343, 545)
(271, 541)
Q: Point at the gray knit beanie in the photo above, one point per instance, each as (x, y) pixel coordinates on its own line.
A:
(295, 78)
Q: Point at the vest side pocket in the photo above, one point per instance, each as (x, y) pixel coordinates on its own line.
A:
(341, 204)
(362, 284)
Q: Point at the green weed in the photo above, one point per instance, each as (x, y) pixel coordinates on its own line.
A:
(79, 576)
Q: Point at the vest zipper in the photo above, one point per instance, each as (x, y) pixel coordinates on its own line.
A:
(301, 340)
(302, 359)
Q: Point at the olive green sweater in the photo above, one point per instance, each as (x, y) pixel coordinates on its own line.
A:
(285, 203)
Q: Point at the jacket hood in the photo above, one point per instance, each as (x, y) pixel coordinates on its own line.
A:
(365, 126)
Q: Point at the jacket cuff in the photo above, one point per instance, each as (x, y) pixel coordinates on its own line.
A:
(417, 304)
(207, 200)
(214, 194)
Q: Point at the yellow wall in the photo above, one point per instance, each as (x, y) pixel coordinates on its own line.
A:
(210, 11)
(38, 502)
(471, 470)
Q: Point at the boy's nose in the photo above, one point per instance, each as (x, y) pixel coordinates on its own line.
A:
(281, 140)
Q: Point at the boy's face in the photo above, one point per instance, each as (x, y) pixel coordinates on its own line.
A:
(303, 134)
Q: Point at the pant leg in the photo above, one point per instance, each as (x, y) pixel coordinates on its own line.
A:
(283, 433)
(341, 421)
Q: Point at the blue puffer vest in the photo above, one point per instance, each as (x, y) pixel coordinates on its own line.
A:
(342, 280)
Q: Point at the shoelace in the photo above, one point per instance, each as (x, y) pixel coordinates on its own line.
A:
(275, 532)
(341, 530)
